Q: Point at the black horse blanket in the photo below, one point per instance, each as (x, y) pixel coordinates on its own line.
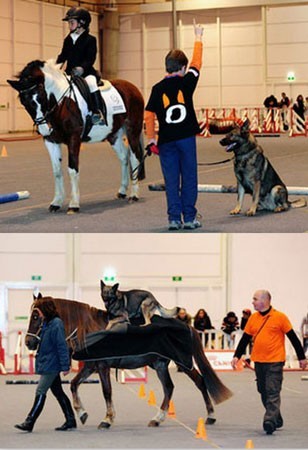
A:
(166, 338)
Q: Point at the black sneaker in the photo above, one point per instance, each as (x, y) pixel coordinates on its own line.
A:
(269, 427)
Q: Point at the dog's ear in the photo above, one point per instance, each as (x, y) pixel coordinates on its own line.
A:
(245, 127)
(115, 287)
(102, 285)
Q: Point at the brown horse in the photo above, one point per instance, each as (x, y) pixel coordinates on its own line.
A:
(80, 319)
(61, 113)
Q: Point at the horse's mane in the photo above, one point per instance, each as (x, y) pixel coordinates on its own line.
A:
(77, 315)
(51, 68)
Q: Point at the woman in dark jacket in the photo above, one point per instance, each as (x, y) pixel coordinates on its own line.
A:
(52, 358)
(202, 322)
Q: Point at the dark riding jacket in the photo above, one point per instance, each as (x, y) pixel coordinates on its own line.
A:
(52, 355)
(82, 53)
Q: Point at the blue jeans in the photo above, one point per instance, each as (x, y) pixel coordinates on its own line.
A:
(178, 161)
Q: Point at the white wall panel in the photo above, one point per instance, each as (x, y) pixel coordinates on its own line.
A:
(276, 262)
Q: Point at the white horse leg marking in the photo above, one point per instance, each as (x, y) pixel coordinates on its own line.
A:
(134, 192)
(55, 154)
(160, 416)
(74, 177)
(122, 153)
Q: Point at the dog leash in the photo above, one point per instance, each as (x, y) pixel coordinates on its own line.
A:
(216, 162)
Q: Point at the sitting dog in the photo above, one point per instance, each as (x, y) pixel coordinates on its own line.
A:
(135, 305)
(255, 175)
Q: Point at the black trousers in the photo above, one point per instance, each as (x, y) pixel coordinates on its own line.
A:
(269, 382)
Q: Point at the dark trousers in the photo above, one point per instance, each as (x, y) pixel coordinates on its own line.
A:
(269, 382)
(178, 161)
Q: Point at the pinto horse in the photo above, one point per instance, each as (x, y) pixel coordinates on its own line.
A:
(61, 113)
(80, 319)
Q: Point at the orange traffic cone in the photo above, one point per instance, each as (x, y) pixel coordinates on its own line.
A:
(171, 410)
(152, 399)
(141, 393)
(249, 444)
(201, 431)
(4, 152)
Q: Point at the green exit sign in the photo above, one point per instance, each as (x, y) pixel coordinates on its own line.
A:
(176, 278)
(109, 278)
(36, 277)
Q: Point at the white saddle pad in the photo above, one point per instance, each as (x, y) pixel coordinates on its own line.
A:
(113, 100)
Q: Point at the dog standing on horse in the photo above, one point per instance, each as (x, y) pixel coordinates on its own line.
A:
(135, 305)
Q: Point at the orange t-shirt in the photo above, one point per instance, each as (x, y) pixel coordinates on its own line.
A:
(269, 344)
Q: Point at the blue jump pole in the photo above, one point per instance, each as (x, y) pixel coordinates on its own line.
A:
(13, 196)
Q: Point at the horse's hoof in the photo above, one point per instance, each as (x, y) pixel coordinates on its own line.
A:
(121, 196)
(72, 210)
(54, 208)
(153, 423)
(83, 418)
(133, 199)
(104, 425)
(210, 421)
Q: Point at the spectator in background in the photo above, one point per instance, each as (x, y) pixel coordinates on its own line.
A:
(184, 316)
(202, 322)
(284, 105)
(230, 326)
(299, 109)
(246, 314)
(304, 332)
(270, 102)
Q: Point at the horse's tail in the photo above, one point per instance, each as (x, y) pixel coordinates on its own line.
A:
(141, 156)
(218, 391)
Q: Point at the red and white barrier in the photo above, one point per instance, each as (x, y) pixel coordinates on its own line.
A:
(134, 376)
(262, 120)
(2, 358)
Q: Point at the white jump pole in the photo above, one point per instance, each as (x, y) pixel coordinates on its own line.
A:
(13, 196)
(222, 189)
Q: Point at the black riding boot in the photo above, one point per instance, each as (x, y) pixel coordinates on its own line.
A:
(67, 409)
(36, 410)
(98, 109)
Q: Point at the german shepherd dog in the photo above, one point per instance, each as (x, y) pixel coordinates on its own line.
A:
(136, 306)
(255, 175)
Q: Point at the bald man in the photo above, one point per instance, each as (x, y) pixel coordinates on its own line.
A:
(267, 328)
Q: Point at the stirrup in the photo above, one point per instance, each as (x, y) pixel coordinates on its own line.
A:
(98, 119)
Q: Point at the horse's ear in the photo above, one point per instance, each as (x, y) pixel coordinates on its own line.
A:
(37, 296)
(15, 84)
(102, 285)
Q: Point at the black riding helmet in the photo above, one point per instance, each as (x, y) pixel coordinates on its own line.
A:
(82, 16)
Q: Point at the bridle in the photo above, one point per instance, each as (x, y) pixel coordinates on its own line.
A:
(37, 334)
(71, 336)
(44, 119)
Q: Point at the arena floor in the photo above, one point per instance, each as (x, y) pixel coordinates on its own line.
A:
(238, 419)
(27, 167)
